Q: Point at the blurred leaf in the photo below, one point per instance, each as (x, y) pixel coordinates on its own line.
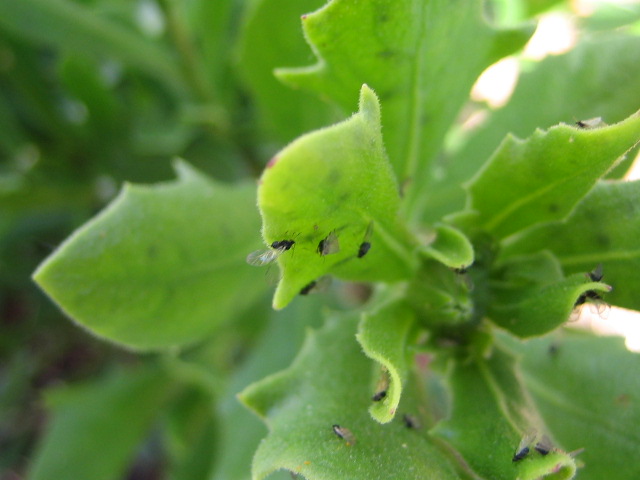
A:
(285, 113)
(450, 247)
(161, 266)
(596, 79)
(72, 26)
(489, 416)
(240, 431)
(604, 228)
(587, 389)
(542, 178)
(398, 49)
(328, 384)
(383, 336)
(334, 185)
(96, 427)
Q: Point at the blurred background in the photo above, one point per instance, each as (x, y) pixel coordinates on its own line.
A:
(94, 93)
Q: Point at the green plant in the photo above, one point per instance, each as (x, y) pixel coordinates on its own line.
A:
(432, 372)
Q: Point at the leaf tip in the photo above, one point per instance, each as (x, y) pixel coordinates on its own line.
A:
(369, 104)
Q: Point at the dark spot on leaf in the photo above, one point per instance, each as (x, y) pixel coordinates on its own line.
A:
(603, 239)
(553, 208)
(624, 400)
(386, 53)
(152, 251)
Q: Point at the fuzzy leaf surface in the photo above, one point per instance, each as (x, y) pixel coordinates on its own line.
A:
(161, 265)
(329, 384)
(486, 426)
(335, 183)
(403, 50)
(604, 228)
(383, 336)
(96, 427)
(542, 178)
(588, 391)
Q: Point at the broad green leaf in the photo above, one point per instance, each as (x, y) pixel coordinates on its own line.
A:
(604, 228)
(587, 389)
(596, 79)
(530, 297)
(335, 186)
(404, 51)
(542, 178)
(162, 265)
(96, 427)
(329, 384)
(240, 431)
(284, 112)
(450, 247)
(383, 336)
(74, 26)
(489, 416)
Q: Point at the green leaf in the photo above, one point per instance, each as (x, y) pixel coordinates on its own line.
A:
(71, 25)
(596, 79)
(239, 430)
(336, 186)
(383, 336)
(489, 416)
(404, 50)
(587, 389)
(542, 178)
(162, 265)
(450, 247)
(96, 427)
(530, 296)
(329, 384)
(285, 112)
(603, 228)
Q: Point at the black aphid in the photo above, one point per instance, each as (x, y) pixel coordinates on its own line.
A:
(379, 395)
(363, 249)
(520, 454)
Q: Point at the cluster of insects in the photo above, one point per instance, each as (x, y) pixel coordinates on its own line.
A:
(328, 245)
(540, 443)
(591, 296)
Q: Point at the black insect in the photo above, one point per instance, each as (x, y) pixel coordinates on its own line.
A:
(270, 255)
(410, 421)
(379, 395)
(590, 123)
(345, 434)
(524, 447)
(316, 286)
(329, 245)
(543, 446)
(596, 275)
(363, 249)
(365, 246)
(308, 288)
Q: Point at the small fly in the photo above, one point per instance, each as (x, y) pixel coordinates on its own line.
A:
(590, 123)
(383, 386)
(345, 434)
(543, 446)
(592, 296)
(329, 245)
(270, 255)
(410, 421)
